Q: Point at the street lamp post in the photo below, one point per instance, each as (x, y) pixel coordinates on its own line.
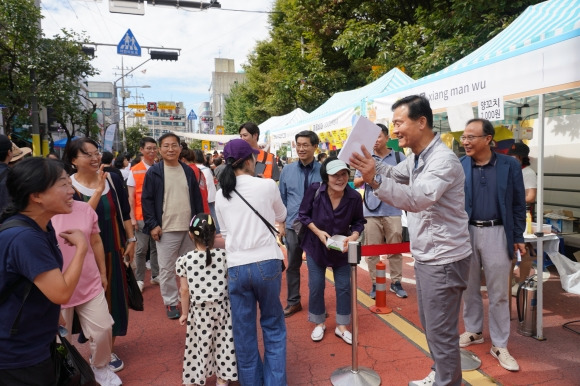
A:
(122, 79)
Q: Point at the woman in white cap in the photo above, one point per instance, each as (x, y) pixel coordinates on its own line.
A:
(328, 209)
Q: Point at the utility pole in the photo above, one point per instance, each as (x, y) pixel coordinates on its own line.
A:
(122, 79)
(35, 133)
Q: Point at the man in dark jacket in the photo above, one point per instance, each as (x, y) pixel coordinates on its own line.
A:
(170, 198)
(496, 205)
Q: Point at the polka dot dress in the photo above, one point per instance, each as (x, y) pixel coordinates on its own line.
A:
(209, 342)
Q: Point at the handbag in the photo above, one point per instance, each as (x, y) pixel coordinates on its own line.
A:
(135, 295)
(298, 227)
(69, 365)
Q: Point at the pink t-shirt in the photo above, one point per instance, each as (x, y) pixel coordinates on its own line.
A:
(82, 217)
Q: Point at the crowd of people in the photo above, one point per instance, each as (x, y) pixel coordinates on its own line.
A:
(165, 209)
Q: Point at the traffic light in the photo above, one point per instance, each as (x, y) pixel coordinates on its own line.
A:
(164, 55)
(89, 51)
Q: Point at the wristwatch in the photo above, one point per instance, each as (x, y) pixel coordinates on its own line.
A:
(375, 183)
(132, 240)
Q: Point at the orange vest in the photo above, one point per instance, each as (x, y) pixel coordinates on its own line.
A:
(139, 172)
(269, 160)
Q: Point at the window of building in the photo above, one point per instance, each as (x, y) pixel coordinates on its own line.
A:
(100, 94)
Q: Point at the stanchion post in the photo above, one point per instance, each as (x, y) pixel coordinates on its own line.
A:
(354, 375)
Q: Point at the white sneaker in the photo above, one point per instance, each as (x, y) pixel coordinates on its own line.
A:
(155, 281)
(140, 284)
(430, 380)
(106, 377)
(505, 359)
(469, 338)
(148, 265)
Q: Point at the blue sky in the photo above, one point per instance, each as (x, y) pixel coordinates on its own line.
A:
(202, 36)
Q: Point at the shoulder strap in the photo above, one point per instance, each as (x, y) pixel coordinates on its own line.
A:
(110, 180)
(397, 156)
(264, 158)
(270, 227)
(13, 224)
(365, 194)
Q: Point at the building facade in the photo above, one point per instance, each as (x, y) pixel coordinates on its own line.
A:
(223, 79)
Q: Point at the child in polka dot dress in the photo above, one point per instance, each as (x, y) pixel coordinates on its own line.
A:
(209, 342)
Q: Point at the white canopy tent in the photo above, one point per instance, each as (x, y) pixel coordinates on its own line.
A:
(276, 122)
(342, 108)
(537, 55)
(209, 137)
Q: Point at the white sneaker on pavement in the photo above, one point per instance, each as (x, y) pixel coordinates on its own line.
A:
(469, 338)
(106, 377)
(505, 359)
(429, 380)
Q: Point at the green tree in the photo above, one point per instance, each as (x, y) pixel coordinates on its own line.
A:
(57, 65)
(133, 135)
(19, 33)
(317, 48)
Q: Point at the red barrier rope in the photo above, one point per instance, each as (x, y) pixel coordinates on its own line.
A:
(384, 249)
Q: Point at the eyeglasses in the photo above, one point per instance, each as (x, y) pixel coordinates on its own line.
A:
(470, 138)
(150, 148)
(90, 155)
(302, 146)
(170, 146)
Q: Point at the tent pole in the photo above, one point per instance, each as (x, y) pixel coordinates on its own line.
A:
(540, 218)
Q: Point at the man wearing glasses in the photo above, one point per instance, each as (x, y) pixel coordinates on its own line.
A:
(496, 205)
(296, 177)
(429, 185)
(148, 149)
(170, 198)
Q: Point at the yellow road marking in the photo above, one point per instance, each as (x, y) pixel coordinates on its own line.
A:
(413, 334)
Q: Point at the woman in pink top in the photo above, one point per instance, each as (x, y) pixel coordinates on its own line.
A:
(88, 299)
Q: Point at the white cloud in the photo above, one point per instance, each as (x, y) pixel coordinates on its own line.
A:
(202, 36)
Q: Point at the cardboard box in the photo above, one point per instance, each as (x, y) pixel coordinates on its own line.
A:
(562, 221)
(560, 225)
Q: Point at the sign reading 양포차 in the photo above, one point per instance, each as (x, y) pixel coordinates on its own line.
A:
(491, 109)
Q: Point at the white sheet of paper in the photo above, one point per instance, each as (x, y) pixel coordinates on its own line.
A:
(459, 115)
(364, 132)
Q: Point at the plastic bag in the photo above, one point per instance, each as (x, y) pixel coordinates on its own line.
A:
(70, 366)
(135, 295)
(569, 272)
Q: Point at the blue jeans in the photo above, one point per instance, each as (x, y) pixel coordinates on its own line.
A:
(251, 284)
(316, 283)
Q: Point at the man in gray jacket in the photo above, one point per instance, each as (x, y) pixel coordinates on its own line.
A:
(430, 186)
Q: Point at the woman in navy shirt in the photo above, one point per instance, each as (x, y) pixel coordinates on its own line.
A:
(30, 261)
(328, 209)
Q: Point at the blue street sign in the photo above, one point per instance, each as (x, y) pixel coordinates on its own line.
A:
(128, 45)
(192, 116)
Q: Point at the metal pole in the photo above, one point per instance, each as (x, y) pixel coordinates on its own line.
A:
(354, 375)
(123, 106)
(540, 220)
